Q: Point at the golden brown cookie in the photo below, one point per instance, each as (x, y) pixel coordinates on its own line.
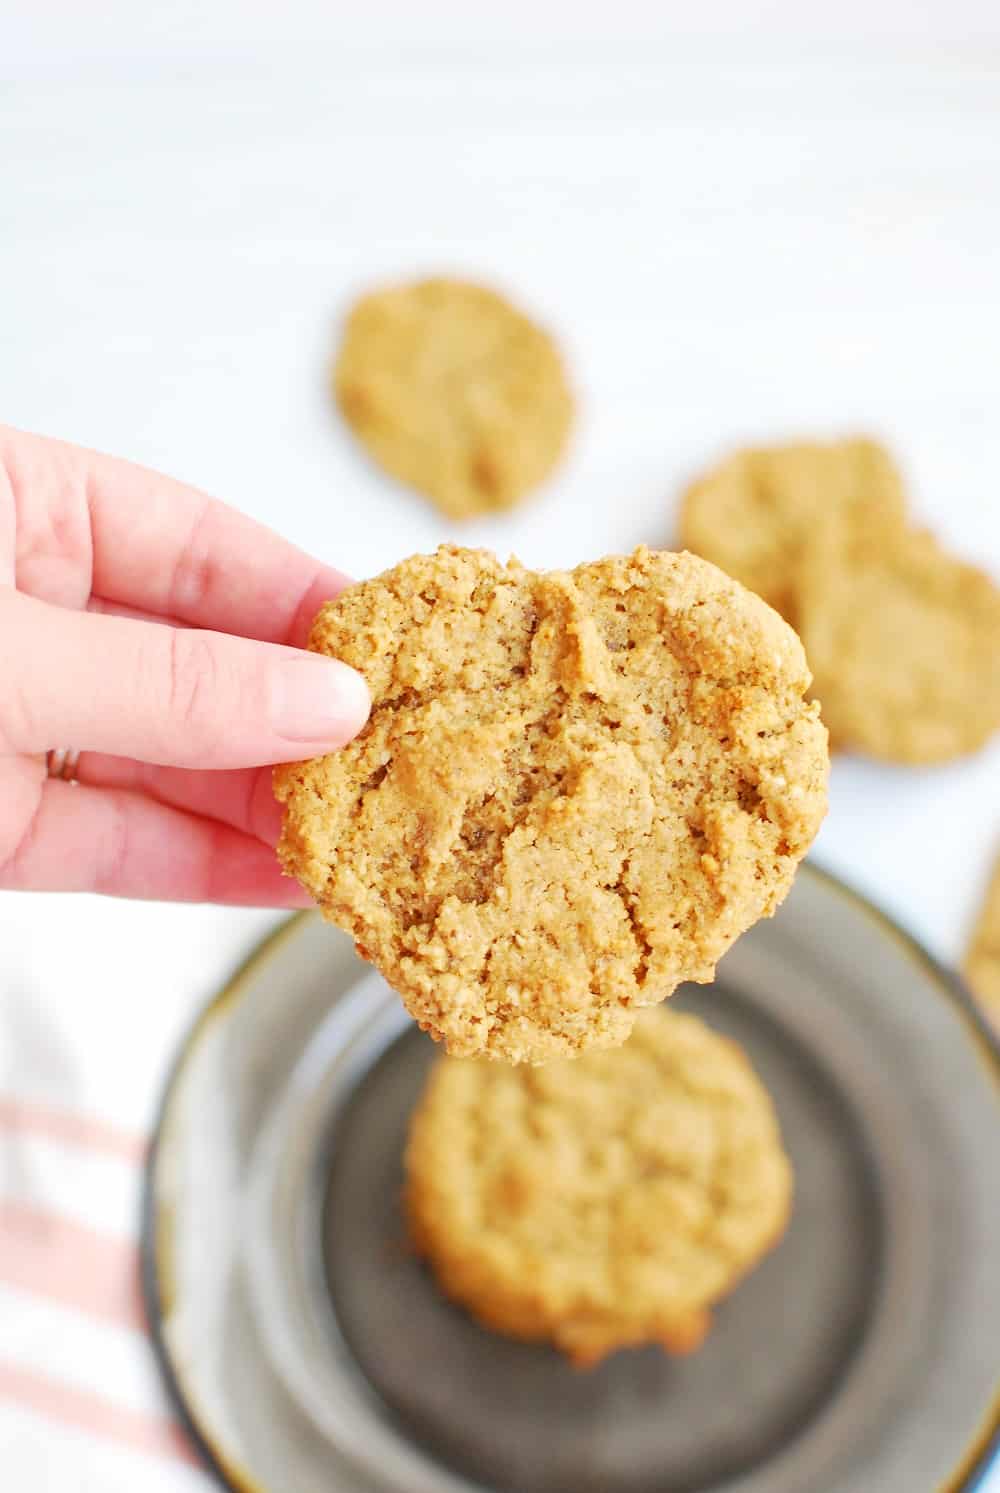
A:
(904, 644)
(575, 789)
(901, 637)
(455, 392)
(982, 960)
(756, 513)
(601, 1203)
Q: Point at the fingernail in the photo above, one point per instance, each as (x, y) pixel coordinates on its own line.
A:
(318, 701)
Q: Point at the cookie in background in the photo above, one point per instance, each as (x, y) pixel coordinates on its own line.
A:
(454, 392)
(603, 1203)
(902, 637)
(981, 966)
(756, 513)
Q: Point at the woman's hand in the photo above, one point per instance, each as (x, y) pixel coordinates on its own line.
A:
(157, 632)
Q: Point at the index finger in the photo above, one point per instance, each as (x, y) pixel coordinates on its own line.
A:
(169, 549)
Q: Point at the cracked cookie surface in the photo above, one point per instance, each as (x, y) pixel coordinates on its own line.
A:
(575, 789)
(599, 1203)
(454, 392)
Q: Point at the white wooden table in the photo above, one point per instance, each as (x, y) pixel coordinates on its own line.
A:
(801, 237)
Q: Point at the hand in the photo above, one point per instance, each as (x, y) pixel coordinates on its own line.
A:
(110, 577)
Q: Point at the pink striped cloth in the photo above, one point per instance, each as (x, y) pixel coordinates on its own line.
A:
(94, 997)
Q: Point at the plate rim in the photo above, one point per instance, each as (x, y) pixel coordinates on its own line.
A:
(156, 1274)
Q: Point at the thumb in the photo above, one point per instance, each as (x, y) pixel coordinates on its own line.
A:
(176, 696)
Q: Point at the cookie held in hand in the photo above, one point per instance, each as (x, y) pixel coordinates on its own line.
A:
(575, 789)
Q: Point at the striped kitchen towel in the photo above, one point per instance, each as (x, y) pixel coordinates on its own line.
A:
(94, 996)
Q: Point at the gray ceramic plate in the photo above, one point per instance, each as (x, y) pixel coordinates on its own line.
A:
(309, 1351)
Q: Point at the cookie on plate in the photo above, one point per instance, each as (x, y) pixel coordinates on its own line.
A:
(982, 959)
(454, 392)
(575, 789)
(904, 643)
(756, 513)
(602, 1203)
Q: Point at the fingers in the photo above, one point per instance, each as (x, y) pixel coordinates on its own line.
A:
(135, 614)
(165, 548)
(179, 697)
(124, 845)
(243, 799)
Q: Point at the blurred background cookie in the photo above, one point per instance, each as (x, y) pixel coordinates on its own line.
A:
(904, 643)
(902, 637)
(455, 392)
(756, 512)
(601, 1203)
(982, 959)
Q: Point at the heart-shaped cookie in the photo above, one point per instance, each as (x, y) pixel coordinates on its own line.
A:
(575, 790)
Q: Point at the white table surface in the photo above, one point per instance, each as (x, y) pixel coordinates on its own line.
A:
(769, 245)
